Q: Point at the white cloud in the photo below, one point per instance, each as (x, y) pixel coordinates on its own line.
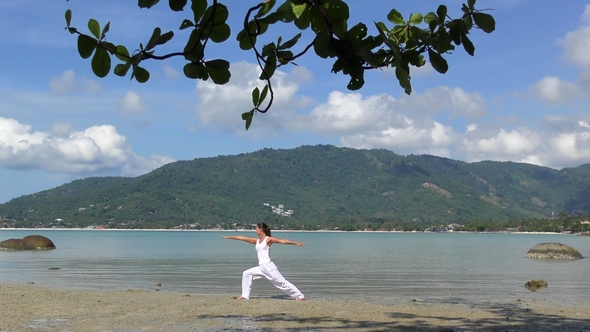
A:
(92, 86)
(403, 125)
(560, 142)
(171, 72)
(68, 82)
(132, 103)
(503, 145)
(94, 150)
(553, 89)
(454, 100)
(302, 74)
(62, 130)
(221, 106)
(65, 83)
(576, 46)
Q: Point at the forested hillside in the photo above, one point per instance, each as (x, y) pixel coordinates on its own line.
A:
(313, 184)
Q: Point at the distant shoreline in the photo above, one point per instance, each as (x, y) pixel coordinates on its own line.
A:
(274, 230)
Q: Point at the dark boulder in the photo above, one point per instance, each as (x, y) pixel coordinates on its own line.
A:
(40, 242)
(553, 250)
(536, 284)
(16, 244)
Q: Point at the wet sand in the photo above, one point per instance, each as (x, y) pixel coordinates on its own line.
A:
(29, 307)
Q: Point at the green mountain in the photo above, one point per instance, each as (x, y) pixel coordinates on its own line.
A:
(314, 183)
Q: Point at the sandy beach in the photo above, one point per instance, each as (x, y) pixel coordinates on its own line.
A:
(30, 307)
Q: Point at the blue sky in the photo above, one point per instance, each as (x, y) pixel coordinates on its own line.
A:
(524, 97)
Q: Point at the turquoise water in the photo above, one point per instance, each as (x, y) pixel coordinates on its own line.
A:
(388, 267)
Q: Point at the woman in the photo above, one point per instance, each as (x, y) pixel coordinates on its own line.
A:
(266, 268)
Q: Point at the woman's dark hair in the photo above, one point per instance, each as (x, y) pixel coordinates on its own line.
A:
(264, 227)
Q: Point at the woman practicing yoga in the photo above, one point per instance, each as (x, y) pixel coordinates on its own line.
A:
(266, 268)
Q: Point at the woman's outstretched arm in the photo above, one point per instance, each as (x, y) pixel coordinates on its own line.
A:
(272, 240)
(251, 240)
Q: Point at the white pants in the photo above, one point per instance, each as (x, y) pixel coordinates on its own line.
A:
(270, 271)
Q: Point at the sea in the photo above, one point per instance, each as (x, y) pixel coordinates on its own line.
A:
(385, 267)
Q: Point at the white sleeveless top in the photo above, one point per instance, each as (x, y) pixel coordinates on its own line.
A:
(263, 251)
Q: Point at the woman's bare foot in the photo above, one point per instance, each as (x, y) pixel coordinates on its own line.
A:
(300, 299)
(241, 298)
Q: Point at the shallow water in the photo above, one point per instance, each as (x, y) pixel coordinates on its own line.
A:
(389, 267)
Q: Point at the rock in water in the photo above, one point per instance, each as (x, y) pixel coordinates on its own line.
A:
(536, 284)
(40, 242)
(16, 244)
(553, 250)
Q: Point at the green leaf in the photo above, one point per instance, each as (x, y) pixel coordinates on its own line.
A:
(177, 5)
(147, 3)
(141, 74)
(455, 34)
(220, 33)
(269, 67)
(468, 22)
(356, 34)
(356, 83)
(442, 13)
(298, 9)
(248, 116)
(186, 24)
(395, 17)
(158, 39)
(290, 43)
(255, 96)
(122, 69)
(122, 53)
(105, 30)
(419, 33)
(246, 42)
(109, 47)
(194, 48)
(198, 7)
(263, 94)
(438, 62)
(86, 46)
(404, 79)
(303, 21)
(322, 46)
(265, 9)
(287, 12)
(218, 64)
(94, 28)
(218, 70)
(467, 44)
(101, 62)
(284, 56)
(431, 17)
(221, 14)
(272, 18)
(152, 42)
(485, 22)
(338, 13)
(317, 22)
(268, 49)
(68, 17)
(416, 18)
(195, 71)
(163, 39)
